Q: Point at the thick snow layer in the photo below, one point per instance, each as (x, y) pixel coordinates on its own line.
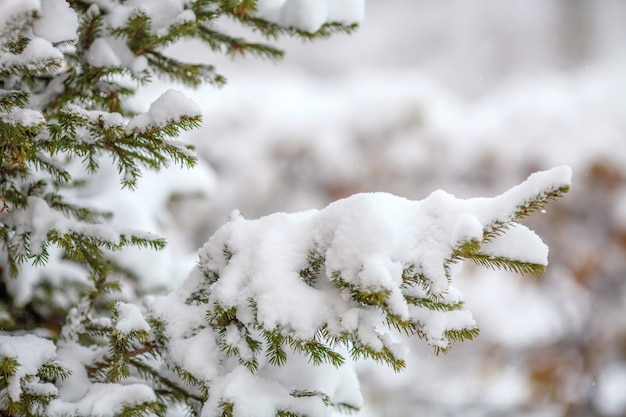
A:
(104, 400)
(518, 242)
(130, 319)
(23, 117)
(252, 395)
(162, 14)
(36, 52)
(58, 21)
(310, 15)
(31, 352)
(365, 240)
(171, 106)
(16, 10)
(102, 54)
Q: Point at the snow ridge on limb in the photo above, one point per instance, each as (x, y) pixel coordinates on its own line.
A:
(317, 286)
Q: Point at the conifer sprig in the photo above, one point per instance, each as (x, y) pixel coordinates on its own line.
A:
(525, 208)
(513, 265)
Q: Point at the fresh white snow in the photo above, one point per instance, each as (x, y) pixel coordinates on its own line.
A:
(30, 352)
(171, 106)
(130, 318)
(58, 21)
(310, 15)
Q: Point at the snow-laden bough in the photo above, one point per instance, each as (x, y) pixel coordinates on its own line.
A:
(322, 286)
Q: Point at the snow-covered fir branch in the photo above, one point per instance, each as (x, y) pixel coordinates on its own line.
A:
(271, 319)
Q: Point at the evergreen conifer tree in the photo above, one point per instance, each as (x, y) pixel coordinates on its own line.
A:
(267, 322)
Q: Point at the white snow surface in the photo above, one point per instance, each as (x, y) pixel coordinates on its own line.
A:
(103, 400)
(171, 106)
(58, 21)
(24, 117)
(162, 14)
(310, 15)
(518, 242)
(37, 51)
(14, 10)
(102, 54)
(31, 352)
(130, 319)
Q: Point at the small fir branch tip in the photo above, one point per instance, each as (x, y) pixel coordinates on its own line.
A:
(16, 43)
(228, 253)
(524, 209)
(284, 413)
(198, 297)
(395, 322)
(190, 380)
(210, 275)
(53, 371)
(273, 31)
(512, 265)
(341, 407)
(363, 296)
(466, 248)
(274, 347)
(463, 334)
(360, 350)
(495, 229)
(147, 409)
(28, 72)
(233, 351)
(371, 298)
(455, 336)
(300, 393)
(412, 278)
(192, 75)
(8, 368)
(83, 214)
(12, 408)
(10, 99)
(159, 329)
(329, 29)
(311, 271)
(227, 408)
(316, 351)
(430, 304)
(540, 201)
(220, 316)
(345, 408)
(220, 42)
(59, 175)
(90, 28)
(333, 340)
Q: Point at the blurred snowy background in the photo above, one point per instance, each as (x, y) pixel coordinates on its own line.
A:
(468, 96)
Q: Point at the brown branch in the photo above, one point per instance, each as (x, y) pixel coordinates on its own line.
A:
(148, 347)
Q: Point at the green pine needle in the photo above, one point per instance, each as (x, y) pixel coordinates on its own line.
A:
(512, 265)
